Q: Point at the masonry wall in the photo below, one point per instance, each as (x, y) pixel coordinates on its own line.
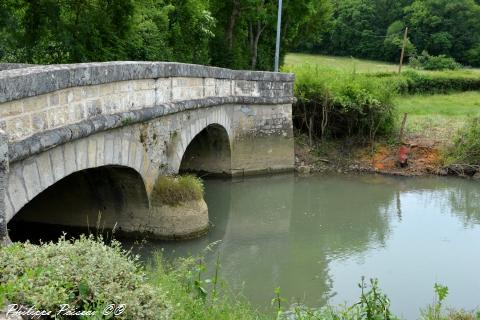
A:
(64, 119)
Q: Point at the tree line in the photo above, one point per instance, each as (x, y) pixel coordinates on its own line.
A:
(237, 34)
(374, 29)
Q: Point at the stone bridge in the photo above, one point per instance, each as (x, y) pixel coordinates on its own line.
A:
(82, 138)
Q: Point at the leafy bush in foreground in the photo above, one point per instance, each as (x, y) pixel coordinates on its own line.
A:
(173, 190)
(196, 296)
(85, 273)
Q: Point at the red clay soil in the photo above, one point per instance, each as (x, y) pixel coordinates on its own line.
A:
(422, 158)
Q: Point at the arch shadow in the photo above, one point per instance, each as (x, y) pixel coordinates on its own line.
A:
(208, 153)
(108, 195)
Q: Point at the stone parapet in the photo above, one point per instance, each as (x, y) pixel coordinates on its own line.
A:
(43, 98)
(33, 81)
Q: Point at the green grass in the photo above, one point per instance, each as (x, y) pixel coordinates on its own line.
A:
(438, 116)
(350, 64)
(174, 190)
(340, 63)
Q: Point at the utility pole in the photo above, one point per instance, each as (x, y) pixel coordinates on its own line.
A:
(279, 26)
(403, 50)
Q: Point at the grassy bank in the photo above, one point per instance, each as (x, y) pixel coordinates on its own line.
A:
(354, 104)
(349, 64)
(345, 64)
(89, 275)
(438, 117)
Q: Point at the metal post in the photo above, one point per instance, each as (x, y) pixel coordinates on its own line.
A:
(279, 26)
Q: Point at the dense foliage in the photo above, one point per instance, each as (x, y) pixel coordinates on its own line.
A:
(374, 29)
(85, 273)
(426, 61)
(336, 104)
(413, 82)
(235, 33)
(466, 147)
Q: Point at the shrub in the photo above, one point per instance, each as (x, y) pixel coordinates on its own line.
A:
(466, 147)
(373, 304)
(427, 62)
(174, 190)
(196, 296)
(414, 82)
(86, 274)
(332, 103)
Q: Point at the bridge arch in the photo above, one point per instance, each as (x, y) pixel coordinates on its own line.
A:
(209, 152)
(107, 197)
(30, 177)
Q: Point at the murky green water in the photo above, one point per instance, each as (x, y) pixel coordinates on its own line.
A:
(316, 236)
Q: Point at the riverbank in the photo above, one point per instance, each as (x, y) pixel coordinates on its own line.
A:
(83, 269)
(425, 157)
(352, 112)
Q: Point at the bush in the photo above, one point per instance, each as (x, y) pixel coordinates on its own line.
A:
(196, 296)
(425, 61)
(373, 304)
(336, 104)
(414, 82)
(86, 274)
(466, 147)
(174, 190)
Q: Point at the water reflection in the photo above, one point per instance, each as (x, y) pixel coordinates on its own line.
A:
(316, 236)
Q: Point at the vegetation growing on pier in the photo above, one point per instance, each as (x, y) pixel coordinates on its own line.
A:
(174, 190)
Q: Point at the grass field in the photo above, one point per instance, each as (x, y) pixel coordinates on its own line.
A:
(350, 64)
(438, 116)
(340, 63)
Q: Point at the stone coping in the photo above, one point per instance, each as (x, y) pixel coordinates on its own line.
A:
(32, 81)
(10, 66)
(42, 141)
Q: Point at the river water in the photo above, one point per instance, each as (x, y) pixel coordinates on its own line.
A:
(315, 237)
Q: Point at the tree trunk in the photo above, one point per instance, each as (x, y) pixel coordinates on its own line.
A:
(232, 21)
(255, 37)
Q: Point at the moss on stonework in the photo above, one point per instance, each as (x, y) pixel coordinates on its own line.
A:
(175, 190)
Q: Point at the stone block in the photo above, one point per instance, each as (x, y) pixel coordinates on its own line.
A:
(70, 158)
(34, 104)
(31, 178)
(9, 109)
(39, 121)
(58, 163)
(45, 170)
(81, 150)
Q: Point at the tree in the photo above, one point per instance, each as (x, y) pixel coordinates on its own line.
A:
(245, 33)
(190, 30)
(12, 14)
(149, 39)
(445, 27)
(76, 30)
